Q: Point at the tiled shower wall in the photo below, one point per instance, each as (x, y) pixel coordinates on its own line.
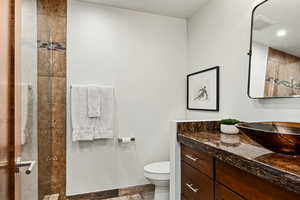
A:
(52, 17)
(282, 72)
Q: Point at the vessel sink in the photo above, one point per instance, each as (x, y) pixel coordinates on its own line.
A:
(280, 137)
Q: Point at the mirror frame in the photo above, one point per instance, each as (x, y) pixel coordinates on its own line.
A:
(250, 57)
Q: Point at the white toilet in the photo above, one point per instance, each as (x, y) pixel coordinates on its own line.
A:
(159, 175)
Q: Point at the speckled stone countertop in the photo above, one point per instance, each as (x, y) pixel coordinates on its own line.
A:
(241, 152)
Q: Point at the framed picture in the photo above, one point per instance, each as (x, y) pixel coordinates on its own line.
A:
(203, 90)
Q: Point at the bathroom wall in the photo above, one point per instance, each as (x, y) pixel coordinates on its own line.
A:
(285, 68)
(51, 67)
(219, 34)
(144, 57)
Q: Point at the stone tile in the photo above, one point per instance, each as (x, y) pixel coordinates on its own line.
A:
(136, 190)
(144, 192)
(44, 90)
(79, 198)
(52, 7)
(44, 189)
(58, 161)
(44, 108)
(44, 123)
(145, 188)
(58, 174)
(44, 62)
(51, 90)
(43, 26)
(130, 197)
(59, 63)
(51, 197)
(148, 196)
(135, 197)
(119, 198)
(59, 90)
(52, 96)
(58, 28)
(95, 196)
(44, 137)
(59, 118)
(52, 28)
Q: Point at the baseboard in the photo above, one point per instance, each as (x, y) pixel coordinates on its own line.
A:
(140, 189)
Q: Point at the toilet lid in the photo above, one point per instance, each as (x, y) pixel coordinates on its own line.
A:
(158, 168)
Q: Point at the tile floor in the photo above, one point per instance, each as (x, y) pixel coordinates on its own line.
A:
(144, 196)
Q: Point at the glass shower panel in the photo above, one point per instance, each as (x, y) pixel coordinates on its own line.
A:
(29, 150)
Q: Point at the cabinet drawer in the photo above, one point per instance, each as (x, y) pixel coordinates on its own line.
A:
(195, 185)
(249, 186)
(200, 161)
(222, 193)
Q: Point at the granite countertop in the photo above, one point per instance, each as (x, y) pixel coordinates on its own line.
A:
(241, 152)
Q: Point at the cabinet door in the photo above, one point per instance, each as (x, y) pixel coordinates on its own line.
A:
(249, 186)
(222, 193)
(198, 160)
(195, 185)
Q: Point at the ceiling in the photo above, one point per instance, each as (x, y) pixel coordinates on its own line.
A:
(274, 16)
(173, 8)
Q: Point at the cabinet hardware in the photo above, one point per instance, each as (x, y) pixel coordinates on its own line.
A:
(195, 190)
(191, 158)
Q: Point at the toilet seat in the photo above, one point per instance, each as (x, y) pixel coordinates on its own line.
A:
(158, 171)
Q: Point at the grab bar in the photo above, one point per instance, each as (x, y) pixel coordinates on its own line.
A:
(29, 164)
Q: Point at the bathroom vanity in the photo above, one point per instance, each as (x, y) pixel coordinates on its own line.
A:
(232, 167)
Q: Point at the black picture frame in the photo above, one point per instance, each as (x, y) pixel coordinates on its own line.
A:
(217, 107)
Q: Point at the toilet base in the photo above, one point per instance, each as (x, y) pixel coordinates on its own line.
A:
(161, 193)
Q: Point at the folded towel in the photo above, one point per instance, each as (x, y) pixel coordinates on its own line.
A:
(94, 102)
(103, 126)
(82, 126)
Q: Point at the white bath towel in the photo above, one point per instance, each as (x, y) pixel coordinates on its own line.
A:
(82, 126)
(104, 125)
(94, 101)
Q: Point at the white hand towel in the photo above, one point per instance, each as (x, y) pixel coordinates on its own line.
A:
(94, 102)
(104, 125)
(24, 111)
(82, 126)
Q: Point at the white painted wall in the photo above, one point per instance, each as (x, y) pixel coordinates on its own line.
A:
(219, 34)
(144, 57)
(259, 64)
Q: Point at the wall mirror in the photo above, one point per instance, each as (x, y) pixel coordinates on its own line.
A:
(275, 50)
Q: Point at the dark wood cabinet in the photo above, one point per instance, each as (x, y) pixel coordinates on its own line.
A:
(203, 178)
(223, 193)
(249, 186)
(199, 161)
(196, 185)
(196, 175)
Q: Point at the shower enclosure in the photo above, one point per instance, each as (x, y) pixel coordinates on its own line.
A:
(40, 98)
